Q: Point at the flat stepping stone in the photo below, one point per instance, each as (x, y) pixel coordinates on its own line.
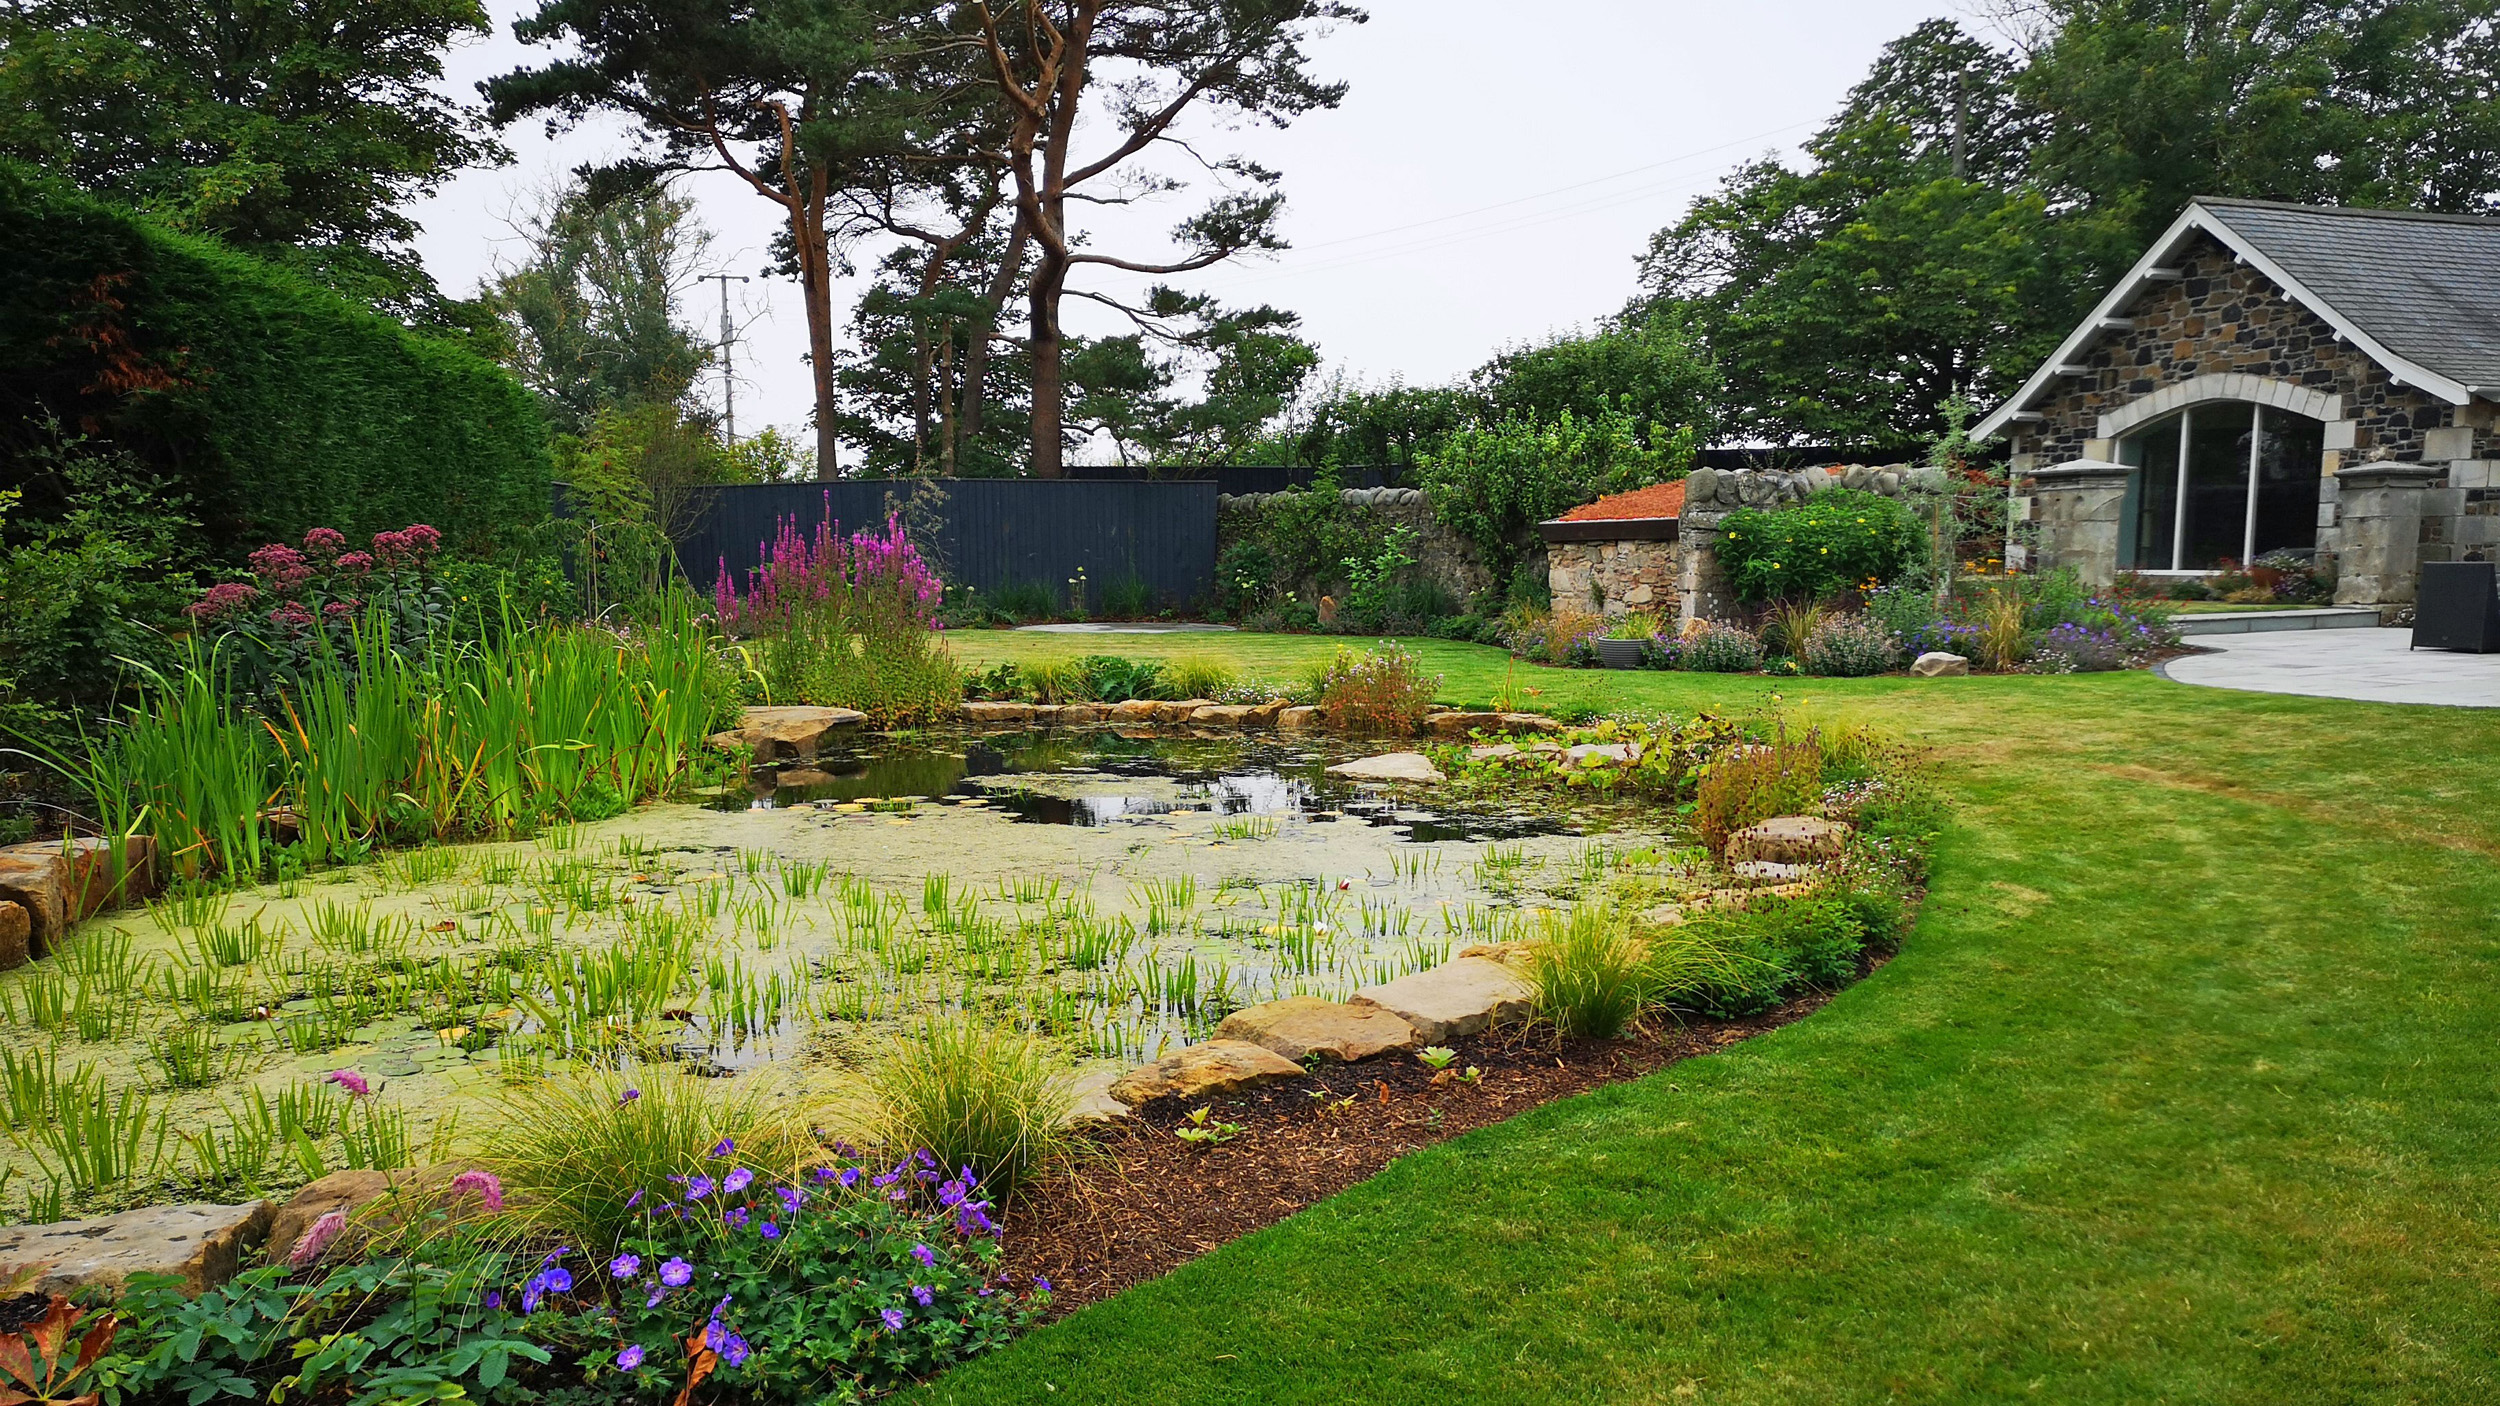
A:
(1599, 753)
(1789, 839)
(1091, 1101)
(1389, 766)
(786, 733)
(200, 1243)
(1299, 1027)
(1455, 999)
(1200, 1071)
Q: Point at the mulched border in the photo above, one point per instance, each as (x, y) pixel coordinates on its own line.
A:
(1138, 1202)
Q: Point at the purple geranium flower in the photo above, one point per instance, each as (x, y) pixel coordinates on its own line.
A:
(727, 1146)
(893, 1319)
(736, 1217)
(850, 1177)
(625, 1266)
(769, 1231)
(922, 1293)
(698, 1188)
(737, 1181)
(630, 1358)
(924, 1254)
(676, 1273)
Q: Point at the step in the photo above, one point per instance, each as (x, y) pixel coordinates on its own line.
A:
(2249, 622)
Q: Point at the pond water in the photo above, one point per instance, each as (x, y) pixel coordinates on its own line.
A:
(1120, 892)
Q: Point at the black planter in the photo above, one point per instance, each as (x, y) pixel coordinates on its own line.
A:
(2458, 607)
(1620, 654)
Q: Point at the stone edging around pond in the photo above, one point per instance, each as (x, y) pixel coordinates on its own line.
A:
(1206, 712)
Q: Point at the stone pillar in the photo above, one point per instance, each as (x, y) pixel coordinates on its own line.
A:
(2378, 546)
(1699, 581)
(2076, 508)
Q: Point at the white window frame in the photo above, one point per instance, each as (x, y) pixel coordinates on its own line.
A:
(2179, 513)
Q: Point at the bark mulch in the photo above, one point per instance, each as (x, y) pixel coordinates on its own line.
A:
(1138, 1201)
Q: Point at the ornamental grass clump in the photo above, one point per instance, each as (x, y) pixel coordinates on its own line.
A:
(1196, 678)
(576, 1152)
(1384, 691)
(1595, 975)
(972, 1093)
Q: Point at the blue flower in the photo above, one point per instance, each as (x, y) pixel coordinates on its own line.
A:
(737, 1217)
(790, 1199)
(633, 1200)
(698, 1188)
(893, 1319)
(624, 1266)
(493, 1299)
(676, 1273)
(769, 1231)
(658, 1292)
(850, 1177)
(627, 1097)
(922, 1293)
(630, 1358)
(737, 1181)
(727, 1146)
(1040, 1283)
(924, 1254)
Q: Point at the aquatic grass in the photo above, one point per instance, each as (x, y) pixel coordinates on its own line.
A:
(36, 1090)
(973, 1093)
(102, 1142)
(193, 1057)
(100, 960)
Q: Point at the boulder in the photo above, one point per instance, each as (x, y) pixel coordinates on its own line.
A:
(1789, 839)
(1936, 664)
(1220, 715)
(1092, 1102)
(1460, 724)
(1266, 714)
(1044, 714)
(1298, 719)
(1510, 954)
(1457, 998)
(1298, 1027)
(40, 884)
(1002, 711)
(17, 929)
(1079, 714)
(791, 733)
(1763, 871)
(1135, 710)
(1180, 710)
(1201, 1071)
(1389, 766)
(91, 878)
(201, 1243)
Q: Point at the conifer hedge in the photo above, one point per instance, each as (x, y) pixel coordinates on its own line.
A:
(275, 404)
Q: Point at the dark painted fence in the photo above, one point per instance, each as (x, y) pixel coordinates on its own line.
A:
(990, 532)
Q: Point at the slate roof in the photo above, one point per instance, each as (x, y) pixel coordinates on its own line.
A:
(2427, 287)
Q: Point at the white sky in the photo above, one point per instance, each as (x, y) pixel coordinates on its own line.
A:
(1490, 178)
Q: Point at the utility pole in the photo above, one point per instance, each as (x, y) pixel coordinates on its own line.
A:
(1961, 127)
(728, 334)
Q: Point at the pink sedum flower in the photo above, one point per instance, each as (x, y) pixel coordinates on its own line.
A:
(314, 1241)
(487, 1185)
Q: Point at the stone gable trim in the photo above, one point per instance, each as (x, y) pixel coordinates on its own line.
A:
(2227, 385)
(2151, 271)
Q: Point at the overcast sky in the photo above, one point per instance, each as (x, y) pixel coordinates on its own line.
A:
(1490, 178)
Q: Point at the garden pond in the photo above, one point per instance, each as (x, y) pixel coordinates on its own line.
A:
(1121, 892)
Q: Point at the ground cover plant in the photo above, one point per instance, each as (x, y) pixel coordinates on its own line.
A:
(2126, 1051)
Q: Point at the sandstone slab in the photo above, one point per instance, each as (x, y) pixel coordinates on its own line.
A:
(1092, 1102)
(1460, 724)
(201, 1243)
(1936, 664)
(1300, 718)
(1135, 710)
(1789, 839)
(1600, 753)
(1181, 710)
(1079, 714)
(1763, 871)
(1200, 1071)
(17, 929)
(40, 884)
(372, 1201)
(1266, 714)
(1389, 766)
(1220, 715)
(987, 711)
(1457, 998)
(92, 877)
(1529, 722)
(1298, 1027)
(787, 733)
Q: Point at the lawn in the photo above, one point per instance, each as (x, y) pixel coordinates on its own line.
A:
(2183, 1089)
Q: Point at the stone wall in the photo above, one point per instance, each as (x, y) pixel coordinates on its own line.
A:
(2401, 481)
(1441, 556)
(1615, 578)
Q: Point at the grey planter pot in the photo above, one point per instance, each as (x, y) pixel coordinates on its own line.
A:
(1620, 654)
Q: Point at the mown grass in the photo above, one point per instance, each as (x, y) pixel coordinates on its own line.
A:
(2181, 1090)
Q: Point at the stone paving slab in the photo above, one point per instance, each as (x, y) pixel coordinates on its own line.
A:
(2370, 666)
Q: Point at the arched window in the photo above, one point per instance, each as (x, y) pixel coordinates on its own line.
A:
(2221, 481)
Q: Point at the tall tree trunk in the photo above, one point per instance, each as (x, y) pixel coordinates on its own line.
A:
(946, 406)
(977, 352)
(1049, 380)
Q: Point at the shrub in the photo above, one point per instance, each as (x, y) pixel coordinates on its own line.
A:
(1245, 578)
(1746, 785)
(1112, 679)
(1490, 484)
(1837, 540)
(272, 404)
(576, 1151)
(1196, 677)
(1714, 648)
(971, 1093)
(1851, 646)
(841, 1286)
(1558, 636)
(1383, 691)
(2076, 649)
(1777, 947)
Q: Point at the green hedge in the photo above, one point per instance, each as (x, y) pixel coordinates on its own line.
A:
(276, 404)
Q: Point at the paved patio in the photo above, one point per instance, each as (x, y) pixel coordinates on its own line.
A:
(2373, 666)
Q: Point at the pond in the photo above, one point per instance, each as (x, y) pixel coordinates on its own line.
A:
(1120, 892)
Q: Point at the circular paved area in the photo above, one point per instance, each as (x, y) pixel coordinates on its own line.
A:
(2372, 665)
(1133, 627)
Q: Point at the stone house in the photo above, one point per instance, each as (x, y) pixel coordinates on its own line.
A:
(2274, 378)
